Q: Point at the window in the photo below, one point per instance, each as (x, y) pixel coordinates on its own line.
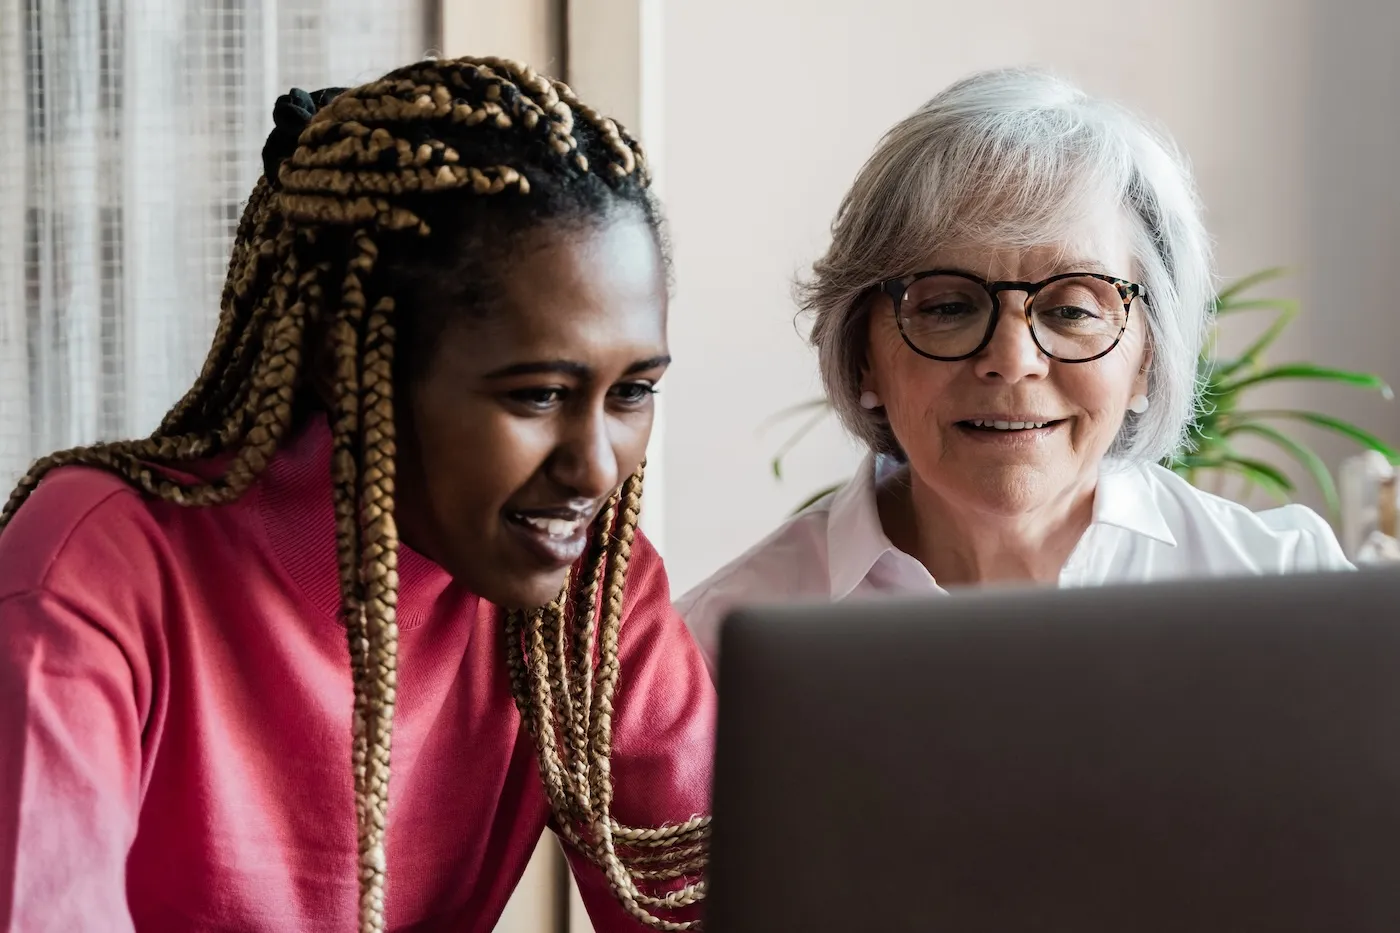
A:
(142, 128)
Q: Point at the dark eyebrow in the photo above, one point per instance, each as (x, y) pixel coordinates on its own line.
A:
(570, 368)
(562, 367)
(641, 366)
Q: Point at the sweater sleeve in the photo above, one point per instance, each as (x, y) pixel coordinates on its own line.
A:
(71, 715)
(663, 732)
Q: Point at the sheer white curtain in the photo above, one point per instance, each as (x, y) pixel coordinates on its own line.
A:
(130, 136)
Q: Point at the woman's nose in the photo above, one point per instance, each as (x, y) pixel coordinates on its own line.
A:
(1012, 354)
(585, 460)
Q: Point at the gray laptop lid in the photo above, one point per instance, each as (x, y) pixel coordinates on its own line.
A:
(1210, 756)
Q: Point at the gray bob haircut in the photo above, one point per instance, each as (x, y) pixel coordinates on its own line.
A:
(1016, 158)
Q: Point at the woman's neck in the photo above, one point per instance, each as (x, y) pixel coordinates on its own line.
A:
(961, 545)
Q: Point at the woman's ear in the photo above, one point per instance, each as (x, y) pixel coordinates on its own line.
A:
(1140, 383)
(868, 382)
(869, 397)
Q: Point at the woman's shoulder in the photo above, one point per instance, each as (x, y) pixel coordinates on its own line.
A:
(1289, 537)
(76, 516)
(87, 531)
(790, 562)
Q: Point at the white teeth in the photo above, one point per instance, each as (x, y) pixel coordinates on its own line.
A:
(554, 527)
(1009, 425)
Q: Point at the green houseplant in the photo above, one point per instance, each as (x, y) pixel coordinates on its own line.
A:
(1225, 419)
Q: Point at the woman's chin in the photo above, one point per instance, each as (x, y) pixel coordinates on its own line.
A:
(1002, 489)
(1015, 495)
(530, 594)
(513, 590)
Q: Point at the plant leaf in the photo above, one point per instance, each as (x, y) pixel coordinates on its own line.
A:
(815, 496)
(1261, 474)
(1255, 471)
(1248, 282)
(1305, 456)
(1308, 371)
(802, 431)
(1196, 462)
(1288, 310)
(1345, 428)
(1252, 304)
(782, 415)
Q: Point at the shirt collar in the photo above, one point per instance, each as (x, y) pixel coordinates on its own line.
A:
(1126, 498)
(855, 539)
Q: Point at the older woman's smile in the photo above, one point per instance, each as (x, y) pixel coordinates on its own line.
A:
(1005, 421)
(1008, 430)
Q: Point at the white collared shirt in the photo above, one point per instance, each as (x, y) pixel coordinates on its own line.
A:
(1148, 524)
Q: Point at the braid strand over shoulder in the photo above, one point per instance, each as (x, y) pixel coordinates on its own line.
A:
(367, 169)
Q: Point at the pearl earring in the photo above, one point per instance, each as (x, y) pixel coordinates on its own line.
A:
(869, 400)
(1138, 404)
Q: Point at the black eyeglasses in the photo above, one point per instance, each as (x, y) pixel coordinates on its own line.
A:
(1074, 318)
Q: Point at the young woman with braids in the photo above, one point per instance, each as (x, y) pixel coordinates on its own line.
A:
(419, 436)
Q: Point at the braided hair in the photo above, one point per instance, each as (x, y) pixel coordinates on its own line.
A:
(363, 192)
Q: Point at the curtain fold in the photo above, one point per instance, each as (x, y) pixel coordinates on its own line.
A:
(130, 134)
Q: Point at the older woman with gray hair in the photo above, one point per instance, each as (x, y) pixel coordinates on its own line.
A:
(1009, 317)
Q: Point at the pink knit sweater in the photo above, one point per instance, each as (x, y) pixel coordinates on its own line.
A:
(175, 706)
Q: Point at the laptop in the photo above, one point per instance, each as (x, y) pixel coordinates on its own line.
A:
(1206, 757)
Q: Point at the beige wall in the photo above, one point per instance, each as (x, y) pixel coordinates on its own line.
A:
(528, 30)
(769, 114)
(1352, 202)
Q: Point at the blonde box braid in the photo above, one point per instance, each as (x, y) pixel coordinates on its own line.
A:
(352, 179)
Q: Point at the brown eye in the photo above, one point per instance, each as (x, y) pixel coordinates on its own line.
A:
(537, 397)
(945, 308)
(634, 393)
